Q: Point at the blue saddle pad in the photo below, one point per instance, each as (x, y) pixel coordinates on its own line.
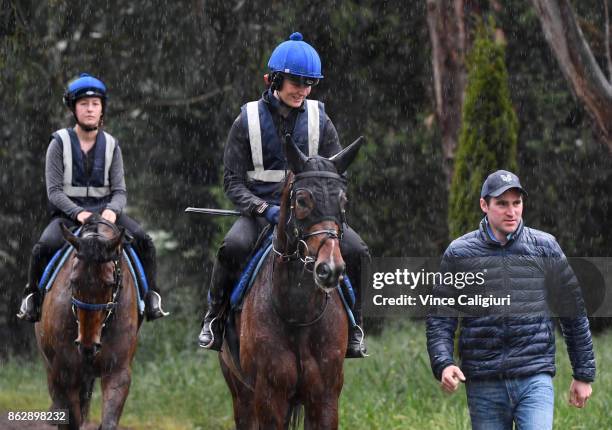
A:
(250, 273)
(59, 259)
(252, 269)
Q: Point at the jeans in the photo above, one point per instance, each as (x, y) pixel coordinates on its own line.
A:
(496, 403)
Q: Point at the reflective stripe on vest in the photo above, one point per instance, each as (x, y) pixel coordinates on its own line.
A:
(72, 190)
(259, 173)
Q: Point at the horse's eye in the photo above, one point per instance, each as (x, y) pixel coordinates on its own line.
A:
(304, 203)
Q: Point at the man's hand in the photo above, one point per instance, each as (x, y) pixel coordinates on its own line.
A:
(109, 215)
(579, 393)
(451, 376)
(82, 216)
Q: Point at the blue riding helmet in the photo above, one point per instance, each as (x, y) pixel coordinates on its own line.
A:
(84, 86)
(296, 59)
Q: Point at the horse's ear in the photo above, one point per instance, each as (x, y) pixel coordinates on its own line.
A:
(345, 157)
(296, 158)
(70, 238)
(114, 243)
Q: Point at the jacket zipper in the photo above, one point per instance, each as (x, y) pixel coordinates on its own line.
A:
(504, 322)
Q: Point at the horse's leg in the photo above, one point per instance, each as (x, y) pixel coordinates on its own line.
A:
(273, 389)
(322, 413)
(242, 400)
(64, 392)
(324, 380)
(115, 389)
(85, 394)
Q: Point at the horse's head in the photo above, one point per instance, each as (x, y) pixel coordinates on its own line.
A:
(313, 213)
(95, 278)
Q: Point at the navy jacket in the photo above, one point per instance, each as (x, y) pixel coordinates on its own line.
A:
(520, 341)
(249, 195)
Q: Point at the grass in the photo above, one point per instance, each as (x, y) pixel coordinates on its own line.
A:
(177, 387)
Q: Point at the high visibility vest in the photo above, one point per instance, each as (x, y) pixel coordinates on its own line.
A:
(76, 182)
(269, 164)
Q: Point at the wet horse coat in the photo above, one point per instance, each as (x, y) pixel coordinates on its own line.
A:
(293, 327)
(80, 343)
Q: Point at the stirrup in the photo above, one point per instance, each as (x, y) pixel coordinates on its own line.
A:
(211, 344)
(362, 351)
(159, 312)
(23, 310)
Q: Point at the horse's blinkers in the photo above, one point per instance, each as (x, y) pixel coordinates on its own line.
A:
(313, 202)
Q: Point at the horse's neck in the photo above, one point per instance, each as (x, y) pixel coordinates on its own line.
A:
(294, 292)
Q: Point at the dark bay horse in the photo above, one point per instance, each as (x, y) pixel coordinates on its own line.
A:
(89, 325)
(293, 327)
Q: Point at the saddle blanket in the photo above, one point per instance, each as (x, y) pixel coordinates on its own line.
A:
(135, 265)
(251, 270)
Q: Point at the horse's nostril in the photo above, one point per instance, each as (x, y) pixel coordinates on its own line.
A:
(323, 271)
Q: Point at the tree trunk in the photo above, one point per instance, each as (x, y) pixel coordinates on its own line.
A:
(577, 62)
(445, 19)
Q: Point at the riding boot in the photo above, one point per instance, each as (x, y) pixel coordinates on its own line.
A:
(32, 297)
(30, 304)
(211, 336)
(356, 337)
(153, 308)
(356, 341)
(152, 299)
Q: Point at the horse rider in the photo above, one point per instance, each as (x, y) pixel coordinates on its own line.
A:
(84, 175)
(254, 172)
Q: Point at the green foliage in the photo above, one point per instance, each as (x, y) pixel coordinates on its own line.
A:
(566, 171)
(178, 74)
(175, 387)
(394, 192)
(488, 139)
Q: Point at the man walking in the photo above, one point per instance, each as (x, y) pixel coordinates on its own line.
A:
(508, 358)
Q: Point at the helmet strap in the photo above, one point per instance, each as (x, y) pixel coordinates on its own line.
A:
(277, 81)
(88, 127)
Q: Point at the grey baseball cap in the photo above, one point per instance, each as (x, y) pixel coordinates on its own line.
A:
(499, 182)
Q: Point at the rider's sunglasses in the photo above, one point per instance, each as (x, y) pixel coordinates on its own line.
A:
(301, 81)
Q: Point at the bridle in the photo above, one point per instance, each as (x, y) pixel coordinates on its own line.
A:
(297, 229)
(109, 307)
(300, 236)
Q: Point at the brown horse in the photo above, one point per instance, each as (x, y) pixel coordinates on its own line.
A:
(293, 326)
(89, 325)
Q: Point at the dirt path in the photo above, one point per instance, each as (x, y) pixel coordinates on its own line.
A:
(5, 424)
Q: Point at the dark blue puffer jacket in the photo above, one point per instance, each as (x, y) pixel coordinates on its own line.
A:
(533, 267)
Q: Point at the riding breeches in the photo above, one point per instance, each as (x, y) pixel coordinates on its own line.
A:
(52, 239)
(239, 242)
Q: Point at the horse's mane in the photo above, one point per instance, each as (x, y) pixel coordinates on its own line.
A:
(285, 204)
(94, 245)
